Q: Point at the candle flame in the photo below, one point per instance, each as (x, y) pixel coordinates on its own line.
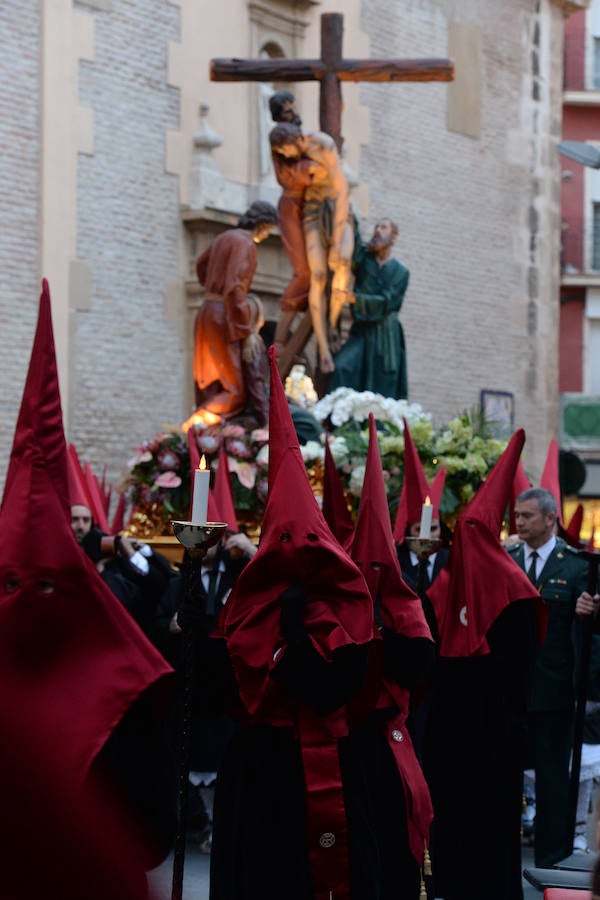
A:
(202, 463)
(427, 501)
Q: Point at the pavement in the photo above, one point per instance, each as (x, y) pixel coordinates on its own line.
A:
(196, 876)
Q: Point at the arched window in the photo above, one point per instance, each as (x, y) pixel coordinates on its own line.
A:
(270, 50)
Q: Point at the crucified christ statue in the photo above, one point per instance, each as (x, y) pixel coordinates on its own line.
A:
(326, 223)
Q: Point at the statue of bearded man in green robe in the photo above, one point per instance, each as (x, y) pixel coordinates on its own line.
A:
(374, 356)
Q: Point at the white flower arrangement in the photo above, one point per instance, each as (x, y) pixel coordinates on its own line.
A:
(312, 451)
(344, 404)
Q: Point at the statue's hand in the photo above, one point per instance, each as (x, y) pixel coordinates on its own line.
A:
(251, 348)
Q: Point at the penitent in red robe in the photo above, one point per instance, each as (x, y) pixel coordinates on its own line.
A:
(226, 270)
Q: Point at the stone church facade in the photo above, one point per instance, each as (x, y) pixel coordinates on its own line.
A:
(122, 160)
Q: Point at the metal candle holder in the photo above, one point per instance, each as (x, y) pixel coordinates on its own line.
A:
(196, 539)
(423, 547)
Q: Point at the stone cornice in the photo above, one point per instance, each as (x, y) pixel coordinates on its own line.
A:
(570, 6)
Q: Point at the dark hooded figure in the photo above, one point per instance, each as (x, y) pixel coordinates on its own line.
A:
(292, 645)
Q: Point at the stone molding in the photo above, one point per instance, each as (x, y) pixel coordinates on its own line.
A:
(569, 7)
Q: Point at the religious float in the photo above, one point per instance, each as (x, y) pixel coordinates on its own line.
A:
(158, 480)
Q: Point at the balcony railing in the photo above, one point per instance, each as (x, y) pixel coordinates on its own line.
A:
(580, 250)
(581, 62)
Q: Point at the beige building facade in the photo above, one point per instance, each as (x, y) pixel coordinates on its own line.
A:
(122, 160)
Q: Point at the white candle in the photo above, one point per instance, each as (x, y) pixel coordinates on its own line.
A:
(200, 498)
(426, 516)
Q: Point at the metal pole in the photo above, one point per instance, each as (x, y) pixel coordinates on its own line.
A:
(192, 570)
(586, 627)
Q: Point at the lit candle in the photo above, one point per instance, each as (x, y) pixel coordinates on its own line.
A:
(426, 516)
(200, 499)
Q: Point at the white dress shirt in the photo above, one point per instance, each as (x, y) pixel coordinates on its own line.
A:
(543, 553)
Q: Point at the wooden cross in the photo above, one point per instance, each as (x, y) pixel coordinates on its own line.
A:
(330, 70)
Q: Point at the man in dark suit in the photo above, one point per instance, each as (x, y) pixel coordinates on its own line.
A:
(409, 562)
(560, 576)
(211, 728)
(409, 566)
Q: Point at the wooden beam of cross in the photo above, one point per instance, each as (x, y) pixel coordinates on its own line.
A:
(330, 70)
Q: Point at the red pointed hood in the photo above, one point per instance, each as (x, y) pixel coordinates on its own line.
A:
(335, 508)
(374, 551)
(550, 478)
(481, 578)
(490, 502)
(118, 520)
(415, 489)
(574, 526)
(78, 489)
(295, 543)
(71, 659)
(95, 493)
(591, 543)
(222, 495)
(436, 489)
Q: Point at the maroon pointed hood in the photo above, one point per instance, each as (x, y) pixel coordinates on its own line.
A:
(415, 488)
(374, 551)
(550, 480)
(335, 508)
(71, 659)
(222, 495)
(481, 578)
(491, 500)
(295, 543)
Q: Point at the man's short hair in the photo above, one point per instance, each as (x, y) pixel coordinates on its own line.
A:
(545, 500)
(259, 213)
(284, 133)
(277, 102)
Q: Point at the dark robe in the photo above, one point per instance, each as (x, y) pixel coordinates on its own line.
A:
(473, 758)
(260, 846)
(374, 356)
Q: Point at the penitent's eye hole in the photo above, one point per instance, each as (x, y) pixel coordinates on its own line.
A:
(11, 584)
(311, 536)
(46, 586)
(376, 566)
(285, 536)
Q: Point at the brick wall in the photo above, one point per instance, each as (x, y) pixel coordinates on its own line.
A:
(19, 217)
(127, 359)
(477, 217)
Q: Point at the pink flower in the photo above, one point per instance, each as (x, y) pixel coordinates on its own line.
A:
(246, 472)
(262, 489)
(238, 448)
(145, 495)
(167, 480)
(208, 443)
(167, 459)
(260, 435)
(234, 431)
(141, 456)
